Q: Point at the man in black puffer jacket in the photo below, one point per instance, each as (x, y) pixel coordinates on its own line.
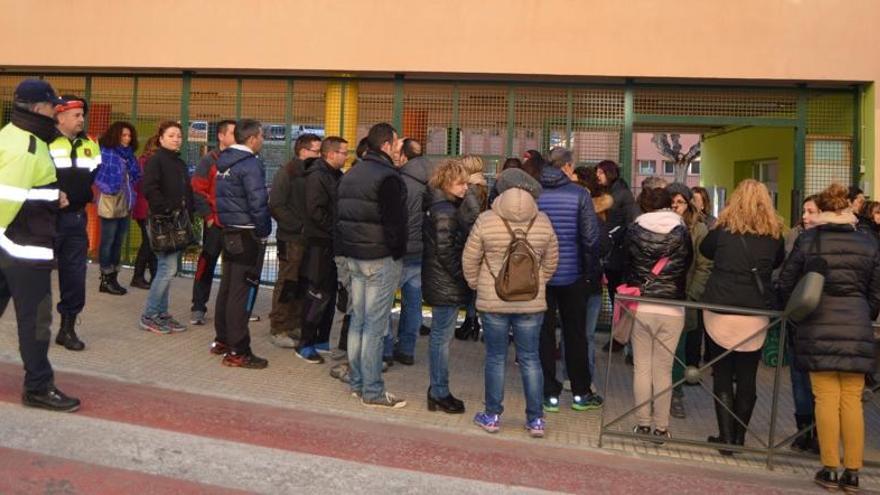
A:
(318, 268)
(243, 210)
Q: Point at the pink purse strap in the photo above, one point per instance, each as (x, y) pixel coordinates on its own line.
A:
(660, 265)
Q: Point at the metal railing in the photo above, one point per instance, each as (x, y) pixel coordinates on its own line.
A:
(770, 446)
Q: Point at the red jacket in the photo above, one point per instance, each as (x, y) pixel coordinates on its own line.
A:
(204, 186)
(140, 209)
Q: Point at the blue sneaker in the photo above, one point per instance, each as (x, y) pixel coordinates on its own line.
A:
(488, 422)
(536, 428)
(322, 348)
(551, 404)
(309, 355)
(587, 402)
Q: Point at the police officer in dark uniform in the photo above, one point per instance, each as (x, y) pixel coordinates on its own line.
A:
(76, 160)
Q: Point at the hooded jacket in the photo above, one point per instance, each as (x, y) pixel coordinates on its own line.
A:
(242, 199)
(653, 236)
(490, 238)
(286, 209)
(321, 180)
(838, 335)
(443, 282)
(621, 215)
(570, 210)
(415, 175)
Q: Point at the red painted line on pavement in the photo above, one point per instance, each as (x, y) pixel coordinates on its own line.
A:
(26, 472)
(375, 442)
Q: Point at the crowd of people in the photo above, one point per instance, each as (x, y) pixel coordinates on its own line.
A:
(523, 257)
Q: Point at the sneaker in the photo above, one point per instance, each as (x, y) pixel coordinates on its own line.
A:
(386, 401)
(54, 400)
(150, 324)
(254, 318)
(536, 428)
(356, 394)
(589, 402)
(323, 348)
(219, 348)
(171, 323)
(676, 408)
(384, 366)
(488, 422)
(244, 360)
(340, 372)
(551, 404)
(283, 340)
(642, 430)
(309, 355)
(827, 478)
(338, 355)
(197, 318)
(660, 436)
(849, 481)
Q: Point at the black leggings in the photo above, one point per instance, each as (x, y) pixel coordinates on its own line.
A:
(741, 367)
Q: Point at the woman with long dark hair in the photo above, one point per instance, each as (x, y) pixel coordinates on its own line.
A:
(621, 215)
(116, 178)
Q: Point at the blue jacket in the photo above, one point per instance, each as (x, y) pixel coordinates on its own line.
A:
(242, 198)
(571, 212)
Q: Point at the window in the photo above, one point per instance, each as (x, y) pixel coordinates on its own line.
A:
(668, 168)
(647, 167)
(694, 169)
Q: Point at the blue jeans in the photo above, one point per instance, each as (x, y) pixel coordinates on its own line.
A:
(442, 329)
(526, 336)
(410, 309)
(801, 388)
(112, 235)
(372, 294)
(157, 299)
(594, 307)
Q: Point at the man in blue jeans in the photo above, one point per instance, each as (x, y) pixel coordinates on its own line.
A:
(371, 232)
(415, 172)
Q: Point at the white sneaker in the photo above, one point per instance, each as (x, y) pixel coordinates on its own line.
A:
(283, 340)
(386, 400)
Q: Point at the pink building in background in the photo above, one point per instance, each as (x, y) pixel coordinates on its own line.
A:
(648, 161)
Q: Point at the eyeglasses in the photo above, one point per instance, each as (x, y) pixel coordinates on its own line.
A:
(679, 202)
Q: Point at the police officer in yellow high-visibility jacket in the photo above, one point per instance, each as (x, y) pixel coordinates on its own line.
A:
(29, 202)
(76, 159)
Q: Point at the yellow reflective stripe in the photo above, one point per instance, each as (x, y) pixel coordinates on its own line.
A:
(24, 252)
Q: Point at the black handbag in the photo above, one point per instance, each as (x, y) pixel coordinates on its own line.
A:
(170, 232)
(807, 293)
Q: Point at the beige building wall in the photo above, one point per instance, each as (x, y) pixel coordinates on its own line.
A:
(786, 40)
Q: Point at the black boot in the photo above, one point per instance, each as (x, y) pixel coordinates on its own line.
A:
(743, 407)
(139, 282)
(448, 404)
(805, 442)
(476, 332)
(108, 286)
(67, 334)
(725, 423)
(464, 331)
(113, 280)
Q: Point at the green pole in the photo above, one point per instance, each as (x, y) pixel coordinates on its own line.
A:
(238, 99)
(569, 116)
(800, 143)
(288, 119)
(342, 90)
(511, 119)
(454, 145)
(627, 144)
(397, 118)
(184, 109)
(857, 137)
(88, 97)
(134, 101)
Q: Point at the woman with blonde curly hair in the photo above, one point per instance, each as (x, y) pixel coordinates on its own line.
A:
(746, 245)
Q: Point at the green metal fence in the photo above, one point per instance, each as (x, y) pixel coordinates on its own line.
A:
(495, 119)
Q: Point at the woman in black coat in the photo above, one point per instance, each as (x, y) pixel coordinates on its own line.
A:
(659, 255)
(836, 342)
(746, 245)
(443, 284)
(621, 215)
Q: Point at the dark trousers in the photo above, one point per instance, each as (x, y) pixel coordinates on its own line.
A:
(319, 304)
(287, 300)
(212, 245)
(30, 290)
(238, 292)
(615, 278)
(571, 302)
(739, 367)
(71, 251)
(146, 258)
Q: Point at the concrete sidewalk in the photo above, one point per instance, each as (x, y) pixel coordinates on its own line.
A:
(117, 349)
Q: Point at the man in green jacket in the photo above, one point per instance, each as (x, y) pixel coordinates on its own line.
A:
(29, 203)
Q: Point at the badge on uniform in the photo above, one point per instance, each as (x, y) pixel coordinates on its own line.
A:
(88, 152)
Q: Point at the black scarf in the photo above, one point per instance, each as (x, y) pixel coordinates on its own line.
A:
(41, 126)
